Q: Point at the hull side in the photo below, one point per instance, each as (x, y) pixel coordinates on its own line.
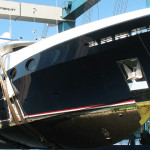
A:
(90, 80)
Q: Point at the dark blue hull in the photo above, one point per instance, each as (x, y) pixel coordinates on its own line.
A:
(76, 96)
(91, 80)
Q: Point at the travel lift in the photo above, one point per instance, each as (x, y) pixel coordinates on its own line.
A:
(65, 17)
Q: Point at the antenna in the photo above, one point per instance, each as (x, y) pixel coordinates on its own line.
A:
(56, 18)
(34, 30)
(10, 29)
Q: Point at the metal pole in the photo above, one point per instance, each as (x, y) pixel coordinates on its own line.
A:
(56, 19)
(10, 29)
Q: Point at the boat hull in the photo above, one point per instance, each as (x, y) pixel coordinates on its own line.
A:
(91, 80)
(90, 128)
(76, 97)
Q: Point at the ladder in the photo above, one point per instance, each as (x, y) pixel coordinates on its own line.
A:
(9, 96)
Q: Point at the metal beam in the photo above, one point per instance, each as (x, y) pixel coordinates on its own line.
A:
(31, 12)
(65, 26)
(148, 3)
(73, 10)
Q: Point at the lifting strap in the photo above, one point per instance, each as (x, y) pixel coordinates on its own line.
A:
(8, 95)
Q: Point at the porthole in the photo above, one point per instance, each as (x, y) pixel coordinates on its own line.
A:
(13, 73)
(30, 65)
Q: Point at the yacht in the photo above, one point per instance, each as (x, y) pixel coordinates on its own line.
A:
(86, 87)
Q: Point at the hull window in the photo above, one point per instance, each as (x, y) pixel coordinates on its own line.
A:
(133, 73)
(118, 36)
(30, 65)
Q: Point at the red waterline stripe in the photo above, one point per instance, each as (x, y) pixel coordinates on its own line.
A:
(80, 108)
(73, 109)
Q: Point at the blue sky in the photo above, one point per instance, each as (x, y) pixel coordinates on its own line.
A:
(101, 10)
